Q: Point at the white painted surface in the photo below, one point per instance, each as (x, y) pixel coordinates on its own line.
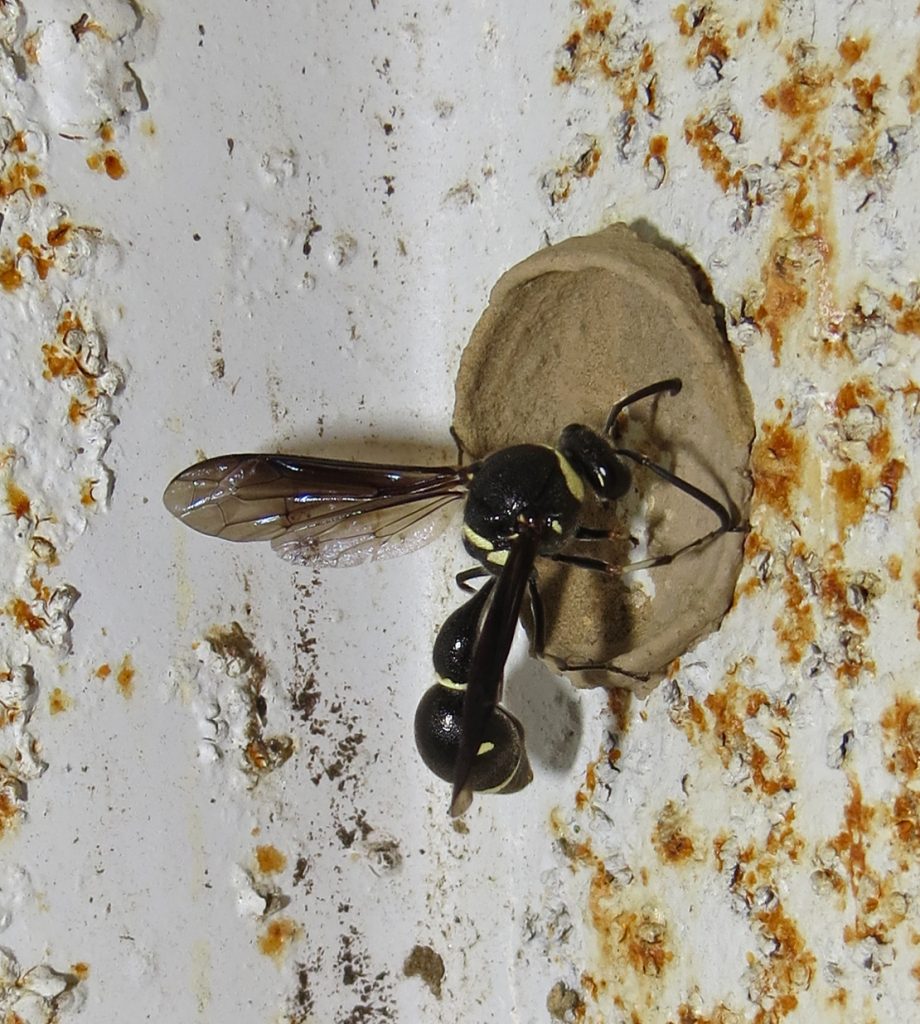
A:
(134, 852)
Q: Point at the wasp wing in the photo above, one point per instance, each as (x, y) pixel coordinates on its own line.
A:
(323, 512)
(487, 661)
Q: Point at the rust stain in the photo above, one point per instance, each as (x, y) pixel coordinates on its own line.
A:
(851, 50)
(61, 357)
(796, 274)
(703, 132)
(278, 937)
(104, 671)
(76, 411)
(107, 161)
(10, 276)
(270, 860)
(125, 677)
(901, 727)
(10, 812)
(732, 707)
(776, 463)
(42, 259)
(262, 753)
(59, 701)
(87, 497)
(850, 842)
(17, 501)
(21, 612)
(657, 152)
(671, 836)
(912, 86)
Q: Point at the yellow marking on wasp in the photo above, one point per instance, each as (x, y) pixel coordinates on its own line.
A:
(572, 480)
(478, 542)
(504, 783)
(497, 557)
(485, 748)
(555, 526)
(450, 684)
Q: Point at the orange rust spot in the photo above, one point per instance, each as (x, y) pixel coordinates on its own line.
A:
(657, 150)
(732, 707)
(20, 611)
(109, 161)
(619, 703)
(850, 842)
(851, 491)
(852, 395)
(701, 133)
(912, 86)
(60, 235)
(41, 260)
(905, 821)
(894, 564)
(599, 22)
(802, 94)
(17, 500)
(776, 463)
(59, 701)
(270, 860)
(795, 630)
(125, 677)
(642, 940)
(712, 44)
(80, 969)
(87, 497)
(76, 411)
(862, 155)
(10, 813)
(851, 50)
(60, 362)
(785, 293)
(279, 934)
(30, 47)
(864, 91)
(892, 473)
(909, 321)
(21, 177)
(104, 671)
(791, 964)
(106, 131)
(684, 26)
(769, 20)
(901, 725)
(10, 277)
(669, 836)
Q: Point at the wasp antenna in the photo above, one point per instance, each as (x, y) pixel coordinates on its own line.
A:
(670, 386)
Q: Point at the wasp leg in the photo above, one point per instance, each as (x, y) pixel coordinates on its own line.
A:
(537, 618)
(612, 569)
(727, 520)
(474, 573)
(672, 386)
(590, 533)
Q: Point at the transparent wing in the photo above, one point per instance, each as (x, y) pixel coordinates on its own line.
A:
(317, 511)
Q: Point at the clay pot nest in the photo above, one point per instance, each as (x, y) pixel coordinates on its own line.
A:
(567, 333)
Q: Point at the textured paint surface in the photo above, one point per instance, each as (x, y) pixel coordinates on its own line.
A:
(232, 226)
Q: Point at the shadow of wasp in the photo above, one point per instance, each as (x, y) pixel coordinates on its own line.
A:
(521, 503)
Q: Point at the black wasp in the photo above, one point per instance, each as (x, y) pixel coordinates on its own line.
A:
(522, 503)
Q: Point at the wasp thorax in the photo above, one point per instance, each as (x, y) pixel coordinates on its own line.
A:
(527, 484)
